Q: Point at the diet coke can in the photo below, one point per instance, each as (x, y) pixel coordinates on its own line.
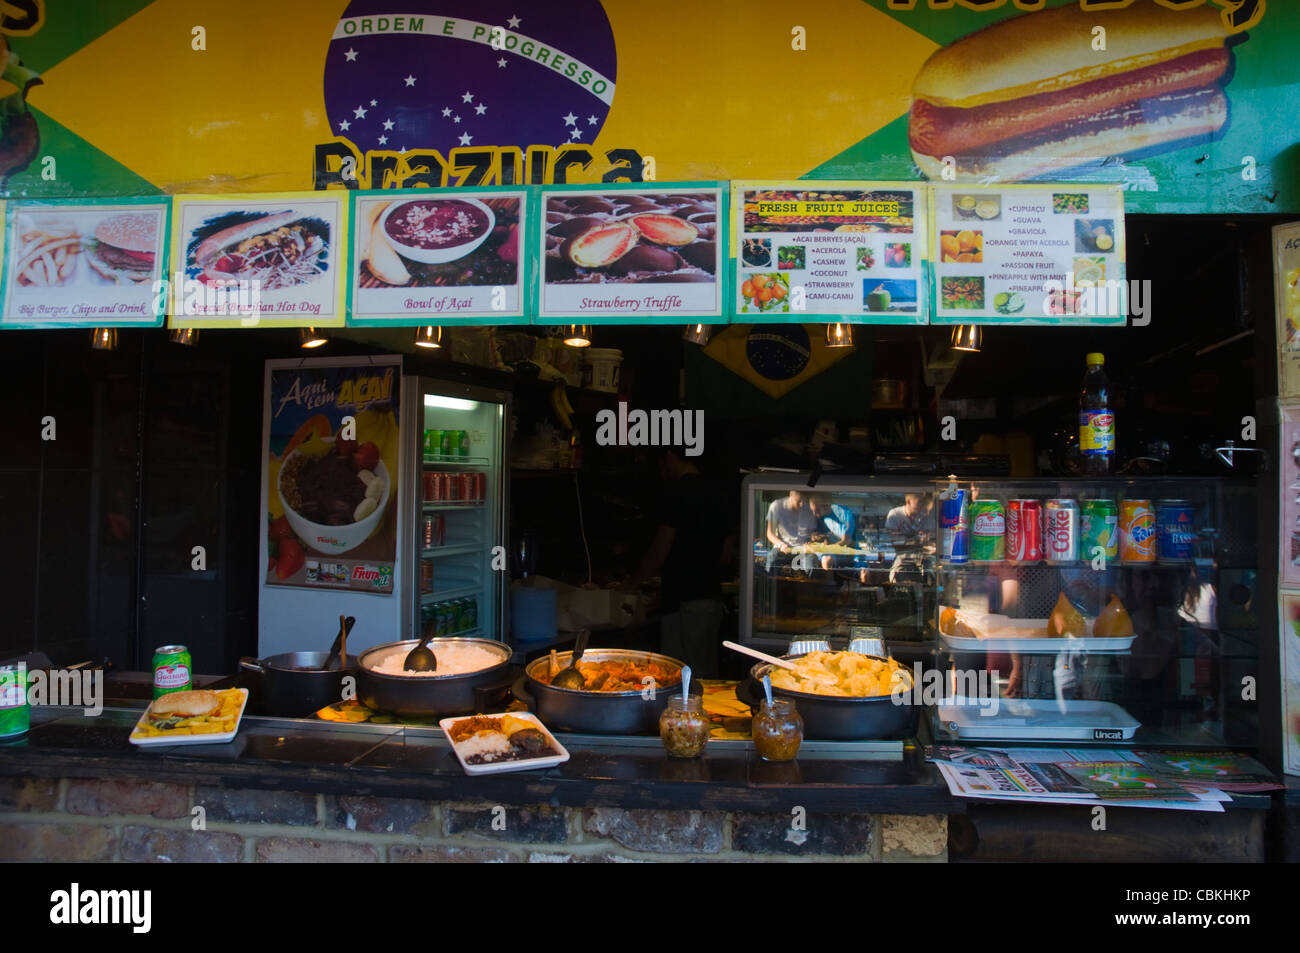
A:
(1061, 532)
(1024, 531)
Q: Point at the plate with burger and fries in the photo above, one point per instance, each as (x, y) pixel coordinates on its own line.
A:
(191, 718)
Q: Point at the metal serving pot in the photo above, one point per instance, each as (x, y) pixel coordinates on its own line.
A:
(834, 717)
(296, 684)
(423, 696)
(598, 713)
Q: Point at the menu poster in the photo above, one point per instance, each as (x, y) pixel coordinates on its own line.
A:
(1029, 254)
(273, 260)
(440, 256)
(631, 253)
(1289, 633)
(90, 263)
(851, 250)
(1286, 277)
(332, 474)
(1289, 505)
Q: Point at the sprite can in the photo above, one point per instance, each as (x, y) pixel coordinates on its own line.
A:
(451, 443)
(1098, 526)
(15, 715)
(432, 443)
(172, 671)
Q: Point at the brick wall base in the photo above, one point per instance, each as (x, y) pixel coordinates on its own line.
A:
(44, 819)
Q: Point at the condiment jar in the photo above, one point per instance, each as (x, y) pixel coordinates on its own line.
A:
(684, 727)
(777, 730)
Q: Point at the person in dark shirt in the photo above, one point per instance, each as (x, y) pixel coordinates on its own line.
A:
(691, 551)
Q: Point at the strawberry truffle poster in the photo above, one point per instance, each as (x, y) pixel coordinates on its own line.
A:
(331, 474)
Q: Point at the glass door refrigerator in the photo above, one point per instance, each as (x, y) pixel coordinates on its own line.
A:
(455, 580)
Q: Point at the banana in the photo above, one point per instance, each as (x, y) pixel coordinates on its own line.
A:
(564, 396)
(557, 404)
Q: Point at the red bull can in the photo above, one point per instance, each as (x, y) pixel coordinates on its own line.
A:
(954, 526)
(1024, 531)
(1061, 532)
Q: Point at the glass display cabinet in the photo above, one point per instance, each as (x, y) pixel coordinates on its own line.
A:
(1106, 611)
(847, 558)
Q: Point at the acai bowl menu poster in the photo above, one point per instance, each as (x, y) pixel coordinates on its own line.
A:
(91, 263)
(439, 256)
(849, 250)
(632, 254)
(331, 473)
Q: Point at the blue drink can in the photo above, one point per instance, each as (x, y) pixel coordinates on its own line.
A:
(954, 526)
(1175, 531)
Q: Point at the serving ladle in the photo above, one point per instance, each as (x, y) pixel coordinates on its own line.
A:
(569, 676)
(421, 658)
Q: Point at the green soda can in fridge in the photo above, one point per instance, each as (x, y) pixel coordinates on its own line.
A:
(451, 443)
(15, 715)
(1098, 527)
(462, 447)
(432, 443)
(471, 607)
(988, 531)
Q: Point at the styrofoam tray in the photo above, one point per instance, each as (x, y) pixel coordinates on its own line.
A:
(181, 738)
(1039, 719)
(1029, 644)
(501, 767)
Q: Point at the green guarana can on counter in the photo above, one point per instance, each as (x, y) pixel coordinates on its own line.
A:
(15, 715)
(172, 670)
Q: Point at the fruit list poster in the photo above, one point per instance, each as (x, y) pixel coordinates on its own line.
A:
(1289, 633)
(331, 473)
(92, 263)
(851, 250)
(1286, 280)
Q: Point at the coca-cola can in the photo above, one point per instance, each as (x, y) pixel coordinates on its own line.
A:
(429, 533)
(1024, 531)
(480, 487)
(451, 487)
(1061, 532)
(431, 488)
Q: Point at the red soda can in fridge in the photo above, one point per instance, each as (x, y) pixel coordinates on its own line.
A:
(451, 487)
(427, 533)
(1061, 532)
(427, 480)
(1024, 531)
(467, 487)
(481, 482)
(426, 576)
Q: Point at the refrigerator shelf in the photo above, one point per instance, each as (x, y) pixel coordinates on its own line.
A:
(439, 595)
(430, 507)
(454, 550)
(482, 462)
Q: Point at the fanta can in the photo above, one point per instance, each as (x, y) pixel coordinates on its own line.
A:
(1137, 532)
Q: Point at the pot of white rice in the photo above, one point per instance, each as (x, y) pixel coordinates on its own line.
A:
(472, 674)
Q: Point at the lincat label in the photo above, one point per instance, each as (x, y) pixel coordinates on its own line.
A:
(1107, 734)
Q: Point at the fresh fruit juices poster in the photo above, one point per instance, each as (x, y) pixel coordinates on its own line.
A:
(1289, 632)
(438, 255)
(332, 453)
(632, 255)
(1286, 279)
(85, 264)
(854, 250)
(1026, 254)
(277, 260)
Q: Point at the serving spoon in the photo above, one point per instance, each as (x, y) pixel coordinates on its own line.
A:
(570, 677)
(421, 658)
(754, 653)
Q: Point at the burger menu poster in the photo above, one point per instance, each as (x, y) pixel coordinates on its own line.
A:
(92, 263)
(272, 260)
(854, 250)
(1029, 254)
(632, 254)
(438, 255)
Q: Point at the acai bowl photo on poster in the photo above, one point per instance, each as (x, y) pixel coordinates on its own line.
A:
(331, 474)
(442, 254)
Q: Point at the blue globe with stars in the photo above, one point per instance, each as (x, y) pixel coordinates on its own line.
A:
(415, 74)
(778, 351)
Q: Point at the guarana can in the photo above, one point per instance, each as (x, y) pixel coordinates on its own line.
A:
(172, 670)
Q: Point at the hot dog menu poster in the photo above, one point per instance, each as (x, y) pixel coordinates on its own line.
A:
(259, 261)
(847, 249)
(632, 255)
(85, 264)
(1051, 254)
(444, 255)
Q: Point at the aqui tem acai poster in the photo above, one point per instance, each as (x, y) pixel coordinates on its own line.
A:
(331, 458)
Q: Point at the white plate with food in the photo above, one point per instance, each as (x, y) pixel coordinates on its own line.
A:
(1110, 632)
(495, 744)
(200, 717)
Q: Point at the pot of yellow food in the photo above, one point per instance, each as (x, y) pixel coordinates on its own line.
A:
(842, 696)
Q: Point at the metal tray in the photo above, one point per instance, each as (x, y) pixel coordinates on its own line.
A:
(1039, 719)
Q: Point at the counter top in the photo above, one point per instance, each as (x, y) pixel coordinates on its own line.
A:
(417, 762)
